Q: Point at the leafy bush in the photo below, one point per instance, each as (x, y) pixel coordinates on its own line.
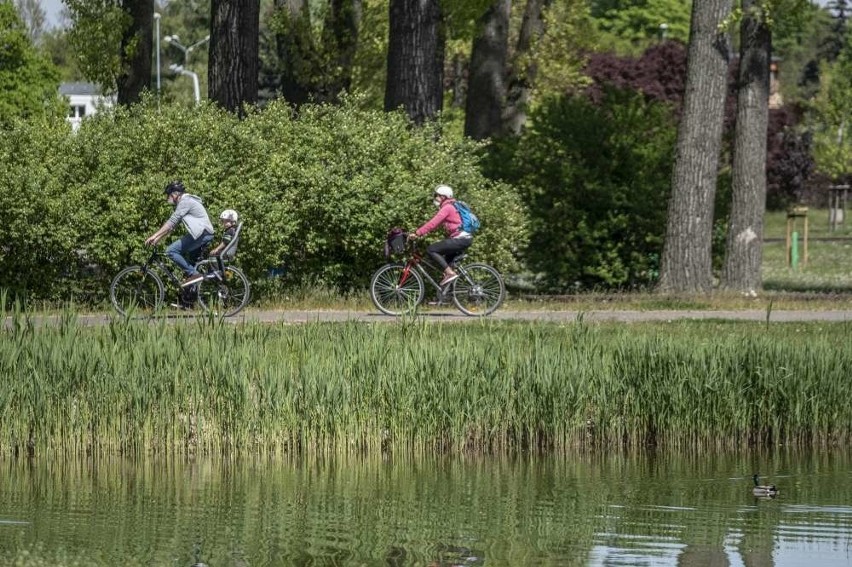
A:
(596, 179)
(317, 191)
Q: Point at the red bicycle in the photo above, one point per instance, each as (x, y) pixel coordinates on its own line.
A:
(399, 287)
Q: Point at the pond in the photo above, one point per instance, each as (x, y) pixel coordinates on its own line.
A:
(660, 508)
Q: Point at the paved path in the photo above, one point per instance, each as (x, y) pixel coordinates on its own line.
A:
(625, 316)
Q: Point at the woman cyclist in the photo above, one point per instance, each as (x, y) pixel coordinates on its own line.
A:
(457, 241)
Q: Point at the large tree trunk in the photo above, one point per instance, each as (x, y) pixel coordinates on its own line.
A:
(415, 59)
(136, 49)
(292, 42)
(687, 260)
(743, 253)
(522, 77)
(486, 92)
(233, 67)
(343, 21)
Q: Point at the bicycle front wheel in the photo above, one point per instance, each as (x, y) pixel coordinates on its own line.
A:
(396, 290)
(479, 290)
(224, 294)
(136, 291)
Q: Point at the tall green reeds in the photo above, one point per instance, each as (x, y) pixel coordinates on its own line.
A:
(413, 386)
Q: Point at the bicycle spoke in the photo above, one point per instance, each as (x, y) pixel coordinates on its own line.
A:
(391, 294)
(224, 294)
(136, 291)
(479, 290)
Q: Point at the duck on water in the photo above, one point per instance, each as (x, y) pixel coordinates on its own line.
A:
(763, 489)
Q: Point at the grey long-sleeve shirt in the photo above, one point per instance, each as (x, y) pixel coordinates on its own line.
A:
(191, 212)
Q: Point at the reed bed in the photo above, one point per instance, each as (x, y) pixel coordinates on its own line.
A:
(133, 387)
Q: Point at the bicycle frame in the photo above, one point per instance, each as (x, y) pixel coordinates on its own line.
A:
(416, 261)
(156, 261)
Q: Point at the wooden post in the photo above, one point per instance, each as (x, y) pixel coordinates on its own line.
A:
(837, 195)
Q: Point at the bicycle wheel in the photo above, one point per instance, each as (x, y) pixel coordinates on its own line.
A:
(479, 290)
(396, 290)
(136, 291)
(224, 295)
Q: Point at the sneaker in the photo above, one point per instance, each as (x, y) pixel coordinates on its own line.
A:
(191, 280)
(448, 279)
(180, 306)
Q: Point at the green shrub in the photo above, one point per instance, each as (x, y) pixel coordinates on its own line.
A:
(318, 191)
(596, 177)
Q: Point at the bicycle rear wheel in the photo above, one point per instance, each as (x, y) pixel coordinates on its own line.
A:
(136, 291)
(396, 290)
(479, 290)
(223, 294)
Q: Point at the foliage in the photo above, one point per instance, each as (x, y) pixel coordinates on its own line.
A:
(831, 114)
(558, 55)
(95, 37)
(56, 46)
(789, 164)
(630, 26)
(137, 388)
(28, 81)
(659, 73)
(318, 191)
(596, 177)
(799, 45)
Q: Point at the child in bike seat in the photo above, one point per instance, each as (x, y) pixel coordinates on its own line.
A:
(229, 219)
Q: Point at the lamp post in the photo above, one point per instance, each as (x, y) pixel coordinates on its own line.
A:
(157, 29)
(664, 28)
(180, 70)
(175, 40)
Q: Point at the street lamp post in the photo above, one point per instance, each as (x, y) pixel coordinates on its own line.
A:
(180, 70)
(664, 29)
(174, 40)
(157, 28)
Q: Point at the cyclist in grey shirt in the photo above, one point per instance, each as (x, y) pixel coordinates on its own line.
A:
(190, 211)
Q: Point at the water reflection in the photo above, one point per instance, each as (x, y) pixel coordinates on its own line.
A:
(690, 510)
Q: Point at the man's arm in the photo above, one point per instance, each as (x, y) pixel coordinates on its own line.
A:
(157, 236)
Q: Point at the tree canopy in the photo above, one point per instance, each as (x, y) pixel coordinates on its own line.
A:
(28, 80)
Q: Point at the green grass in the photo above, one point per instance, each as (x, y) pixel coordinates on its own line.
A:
(202, 386)
(829, 265)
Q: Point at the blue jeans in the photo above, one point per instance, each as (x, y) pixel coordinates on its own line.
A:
(184, 251)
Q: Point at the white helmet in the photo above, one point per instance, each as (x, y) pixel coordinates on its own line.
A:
(444, 191)
(229, 214)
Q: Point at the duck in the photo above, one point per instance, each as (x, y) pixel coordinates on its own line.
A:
(763, 489)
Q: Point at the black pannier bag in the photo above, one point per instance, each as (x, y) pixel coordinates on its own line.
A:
(395, 243)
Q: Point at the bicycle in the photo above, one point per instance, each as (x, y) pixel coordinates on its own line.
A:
(139, 289)
(399, 287)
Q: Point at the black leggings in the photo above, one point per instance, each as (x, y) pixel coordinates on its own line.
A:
(446, 250)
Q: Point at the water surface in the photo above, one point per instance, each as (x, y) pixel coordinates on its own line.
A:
(576, 509)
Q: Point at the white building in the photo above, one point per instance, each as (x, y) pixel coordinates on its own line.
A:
(84, 99)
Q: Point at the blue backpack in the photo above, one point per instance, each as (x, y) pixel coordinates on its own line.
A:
(469, 221)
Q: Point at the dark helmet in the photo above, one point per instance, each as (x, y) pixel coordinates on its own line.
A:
(174, 187)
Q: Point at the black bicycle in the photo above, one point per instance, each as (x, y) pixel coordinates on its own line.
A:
(398, 288)
(140, 290)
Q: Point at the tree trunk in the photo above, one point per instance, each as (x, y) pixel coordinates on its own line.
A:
(344, 17)
(291, 46)
(234, 36)
(136, 50)
(743, 253)
(415, 59)
(486, 92)
(687, 260)
(522, 75)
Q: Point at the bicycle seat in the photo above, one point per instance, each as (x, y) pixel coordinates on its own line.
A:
(230, 251)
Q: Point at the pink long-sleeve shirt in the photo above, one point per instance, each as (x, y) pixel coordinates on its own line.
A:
(447, 216)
